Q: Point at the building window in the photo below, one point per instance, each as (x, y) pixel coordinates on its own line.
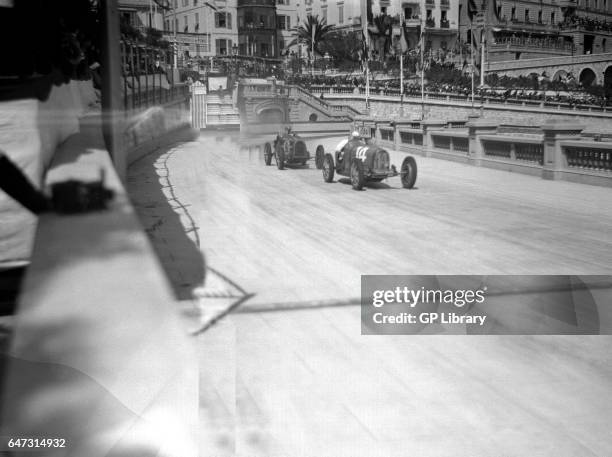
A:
(540, 17)
(383, 10)
(513, 17)
(526, 15)
(223, 20)
(280, 22)
(324, 14)
(552, 18)
(223, 47)
(176, 25)
(340, 14)
(197, 21)
(185, 24)
(195, 2)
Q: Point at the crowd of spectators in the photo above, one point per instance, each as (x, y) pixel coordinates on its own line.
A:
(574, 21)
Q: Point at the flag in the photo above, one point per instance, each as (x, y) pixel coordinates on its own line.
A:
(210, 5)
(403, 41)
(472, 9)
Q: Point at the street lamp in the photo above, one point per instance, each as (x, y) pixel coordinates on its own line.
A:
(235, 54)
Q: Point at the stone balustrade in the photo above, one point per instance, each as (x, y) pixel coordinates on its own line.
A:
(555, 151)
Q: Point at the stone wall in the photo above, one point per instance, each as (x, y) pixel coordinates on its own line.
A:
(393, 109)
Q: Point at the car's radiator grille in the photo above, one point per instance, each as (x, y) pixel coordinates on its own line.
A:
(382, 161)
(300, 149)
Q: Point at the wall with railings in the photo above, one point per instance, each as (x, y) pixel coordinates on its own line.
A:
(551, 151)
(96, 321)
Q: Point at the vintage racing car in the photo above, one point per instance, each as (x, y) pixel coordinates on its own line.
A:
(290, 149)
(365, 162)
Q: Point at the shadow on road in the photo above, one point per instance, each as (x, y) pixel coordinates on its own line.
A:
(167, 221)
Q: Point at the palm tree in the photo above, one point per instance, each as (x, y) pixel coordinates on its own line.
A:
(321, 29)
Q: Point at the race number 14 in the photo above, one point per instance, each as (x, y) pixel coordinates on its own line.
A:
(360, 153)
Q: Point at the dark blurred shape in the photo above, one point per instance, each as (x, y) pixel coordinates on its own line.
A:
(46, 43)
(10, 284)
(78, 197)
(17, 185)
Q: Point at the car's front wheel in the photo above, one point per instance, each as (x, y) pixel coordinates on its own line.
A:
(268, 154)
(328, 168)
(319, 155)
(357, 175)
(408, 172)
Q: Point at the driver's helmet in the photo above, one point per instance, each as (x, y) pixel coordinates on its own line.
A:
(355, 135)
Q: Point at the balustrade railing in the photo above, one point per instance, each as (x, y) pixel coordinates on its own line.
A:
(144, 77)
(497, 148)
(529, 152)
(387, 135)
(587, 158)
(522, 148)
(441, 142)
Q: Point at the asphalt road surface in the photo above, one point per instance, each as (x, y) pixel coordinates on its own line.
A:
(289, 374)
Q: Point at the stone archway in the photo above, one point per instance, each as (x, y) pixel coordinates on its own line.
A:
(271, 115)
(270, 112)
(560, 75)
(588, 77)
(607, 82)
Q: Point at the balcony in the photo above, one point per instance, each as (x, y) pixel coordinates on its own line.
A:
(430, 3)
(445, 4)
(412, 22)
(255, 27)
(444, 24)
(256, 3)
(430, 22)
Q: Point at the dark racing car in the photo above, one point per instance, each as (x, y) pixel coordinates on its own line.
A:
(363, 163)
(290, 149)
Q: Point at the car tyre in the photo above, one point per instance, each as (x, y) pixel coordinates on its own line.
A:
(408, 172)
(280, 159)
(357, 175)
(328, 168)
(319, 155)
(268, 154)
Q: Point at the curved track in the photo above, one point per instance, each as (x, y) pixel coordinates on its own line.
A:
(306, 383)
(287, 236)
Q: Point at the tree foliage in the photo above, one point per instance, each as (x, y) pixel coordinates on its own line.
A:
(322, 32)
(343, 47)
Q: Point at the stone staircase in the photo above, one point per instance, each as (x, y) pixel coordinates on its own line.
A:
(221, 111)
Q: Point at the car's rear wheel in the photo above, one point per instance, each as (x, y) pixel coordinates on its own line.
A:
(268, 154)
(357, 175)
(328, 168)
(319, 155)
(408, 172)
(280, 159)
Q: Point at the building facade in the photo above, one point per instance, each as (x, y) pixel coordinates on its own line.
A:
(530, 29)
(286, 24)
(202, 28)
(257, 28)
(141, 14)
(437, 18)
